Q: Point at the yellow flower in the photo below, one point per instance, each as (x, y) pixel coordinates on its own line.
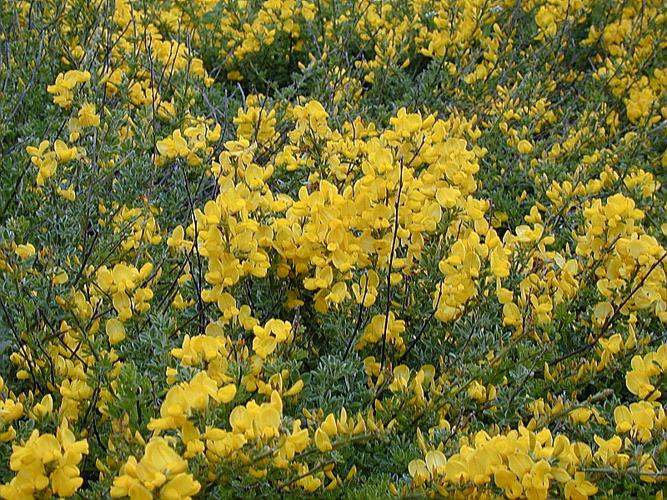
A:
(477, 391)
(578, 488)
(25, 251)
(160, 467)
(162, 458)
(639, 102)
(88, 117)
(43, 408)
(329, 425)
(174, 146)
(322, 441)
(508, 482)
(401, 379)
(308, 482)
(623, 419)
(115, 330)
(435, 462)
(607, 449)
(180, 487)
(524, 147)
(638, 379)
(296, 442)
(10, 410)
(500, 265)
(536, 482)
(419, 472)
(512, 315)
(270, 335)
(448, 197)
(226, 393)
(122, 305)
(295, 389)
(258, 421)
(580, 415)
(64, 86)
(63, 153)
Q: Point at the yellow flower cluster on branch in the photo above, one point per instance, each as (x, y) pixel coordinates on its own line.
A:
(46, 464)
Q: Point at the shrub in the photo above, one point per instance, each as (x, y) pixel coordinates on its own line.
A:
(348, 248)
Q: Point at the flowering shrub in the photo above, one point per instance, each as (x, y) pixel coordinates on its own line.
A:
(350, 248)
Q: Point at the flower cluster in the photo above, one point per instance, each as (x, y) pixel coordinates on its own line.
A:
(46, 464)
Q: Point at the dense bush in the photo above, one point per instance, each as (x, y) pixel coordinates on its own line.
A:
(346, 248)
